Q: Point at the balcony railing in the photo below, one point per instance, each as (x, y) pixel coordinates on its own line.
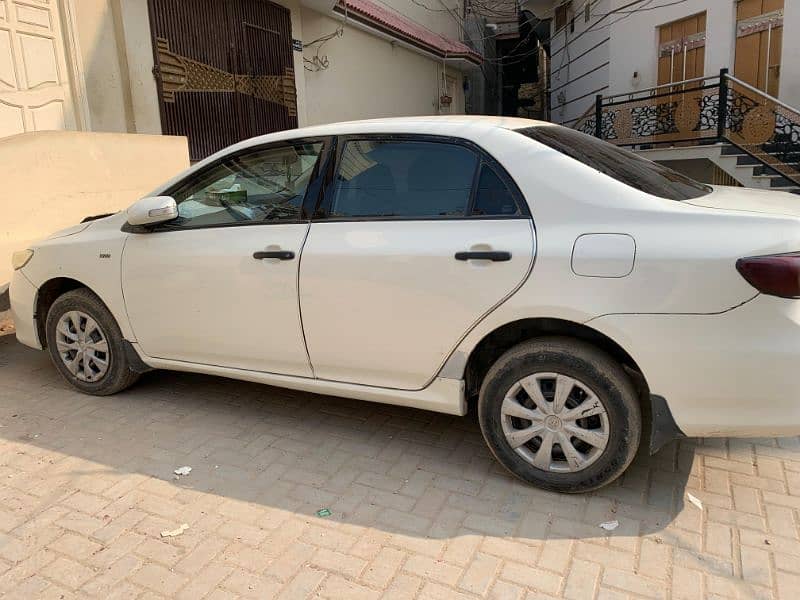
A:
(704, 110)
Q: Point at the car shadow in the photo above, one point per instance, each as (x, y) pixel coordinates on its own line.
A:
(399, 470)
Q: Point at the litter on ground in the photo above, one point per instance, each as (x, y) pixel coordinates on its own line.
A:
(694, 500)
(183, 470)
(610, 525)
(324, 512)
(175, 532)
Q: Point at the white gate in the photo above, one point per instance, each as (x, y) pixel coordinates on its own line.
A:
(35, 90)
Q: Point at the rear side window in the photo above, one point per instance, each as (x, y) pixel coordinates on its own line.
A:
(493, 198)
(399, 178)
(623, 165)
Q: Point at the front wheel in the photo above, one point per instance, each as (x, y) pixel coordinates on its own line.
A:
(560, 414)
(85, 344)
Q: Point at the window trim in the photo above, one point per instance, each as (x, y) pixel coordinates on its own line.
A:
(309, 200)
(321, 212)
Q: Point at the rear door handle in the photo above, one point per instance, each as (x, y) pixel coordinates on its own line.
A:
(500, 256)
(279, 254)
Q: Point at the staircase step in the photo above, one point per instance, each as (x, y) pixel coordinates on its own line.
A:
(746, 159)
(764, 170)
(730, 150)
(778, 182)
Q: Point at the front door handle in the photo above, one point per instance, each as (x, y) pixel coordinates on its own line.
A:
(279, 254)
(500, 256)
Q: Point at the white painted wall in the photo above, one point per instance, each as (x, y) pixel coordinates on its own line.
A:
(789, 90)
(370, 77)
(633, 48)
(634, 41)
(437, 15)
(579, 63)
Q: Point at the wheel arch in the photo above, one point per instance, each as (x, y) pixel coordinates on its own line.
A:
(506, 336)
(47, 294)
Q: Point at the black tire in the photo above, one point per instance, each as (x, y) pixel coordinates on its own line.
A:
(118, 375)
(590, 366)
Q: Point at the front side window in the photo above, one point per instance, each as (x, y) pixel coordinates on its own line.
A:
(623, 165)
(263, 186)
(391, 178)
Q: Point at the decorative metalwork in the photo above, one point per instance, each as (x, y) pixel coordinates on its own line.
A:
(738, 107)
(769, 131)
(654, 119)
(690, 42)
(607, 125)
(687, 112)
(182, 74)
(759, 23)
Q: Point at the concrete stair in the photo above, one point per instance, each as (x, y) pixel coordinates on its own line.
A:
(751, 172)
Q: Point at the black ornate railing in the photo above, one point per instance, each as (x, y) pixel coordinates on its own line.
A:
(704, 110)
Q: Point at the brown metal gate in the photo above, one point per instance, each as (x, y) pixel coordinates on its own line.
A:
(224, 70)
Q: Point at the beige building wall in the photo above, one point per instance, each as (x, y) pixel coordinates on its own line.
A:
(53, 179)
(371, 77)
(116, 53)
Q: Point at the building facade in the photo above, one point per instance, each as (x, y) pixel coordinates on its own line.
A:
(222, 70)
(618, 46)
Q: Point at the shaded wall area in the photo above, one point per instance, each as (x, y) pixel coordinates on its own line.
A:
(53, 179)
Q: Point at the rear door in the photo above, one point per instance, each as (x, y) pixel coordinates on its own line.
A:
(417, 239)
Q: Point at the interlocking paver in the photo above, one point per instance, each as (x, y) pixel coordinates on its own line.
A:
(419, 507)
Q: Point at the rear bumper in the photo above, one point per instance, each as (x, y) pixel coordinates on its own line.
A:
(735, 373)
(23, 310)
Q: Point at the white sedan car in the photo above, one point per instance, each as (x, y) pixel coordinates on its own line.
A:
(579, 297)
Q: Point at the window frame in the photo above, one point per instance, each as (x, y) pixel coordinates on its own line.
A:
(306, 206)
(321, 212)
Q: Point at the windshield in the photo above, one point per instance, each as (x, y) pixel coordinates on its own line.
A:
(623, 165)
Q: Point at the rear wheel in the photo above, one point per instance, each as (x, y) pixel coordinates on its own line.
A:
(560, 414)
(85, 344)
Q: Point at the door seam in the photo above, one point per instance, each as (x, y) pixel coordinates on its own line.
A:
(299, 304)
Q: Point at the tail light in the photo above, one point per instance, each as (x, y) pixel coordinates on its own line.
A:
(776, 275)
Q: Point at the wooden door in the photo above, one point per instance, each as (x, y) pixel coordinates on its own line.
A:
(35, 87)
(759, 41)
(682, 49)
(225, 70)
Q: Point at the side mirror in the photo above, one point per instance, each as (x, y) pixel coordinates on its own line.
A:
(154, 210)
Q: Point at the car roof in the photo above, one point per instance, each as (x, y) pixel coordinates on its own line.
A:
(457, 123)
(465, 126)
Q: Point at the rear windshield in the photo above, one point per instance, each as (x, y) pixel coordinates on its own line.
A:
(623, 165)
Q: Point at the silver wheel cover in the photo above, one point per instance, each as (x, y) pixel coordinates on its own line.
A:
(555, 422)
(82, 346)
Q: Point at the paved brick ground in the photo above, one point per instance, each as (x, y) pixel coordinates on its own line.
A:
(419, 509)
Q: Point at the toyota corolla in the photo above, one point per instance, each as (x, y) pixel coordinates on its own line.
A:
(578, 297)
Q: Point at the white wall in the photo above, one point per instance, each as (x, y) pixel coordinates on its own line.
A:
(578, 72)
(438, 16)
(370, 77)
(789, 90)
(634, 41)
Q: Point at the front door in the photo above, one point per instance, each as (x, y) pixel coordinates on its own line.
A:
(759, 37)
(417, 239)
(218, 286)
(225, 70)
